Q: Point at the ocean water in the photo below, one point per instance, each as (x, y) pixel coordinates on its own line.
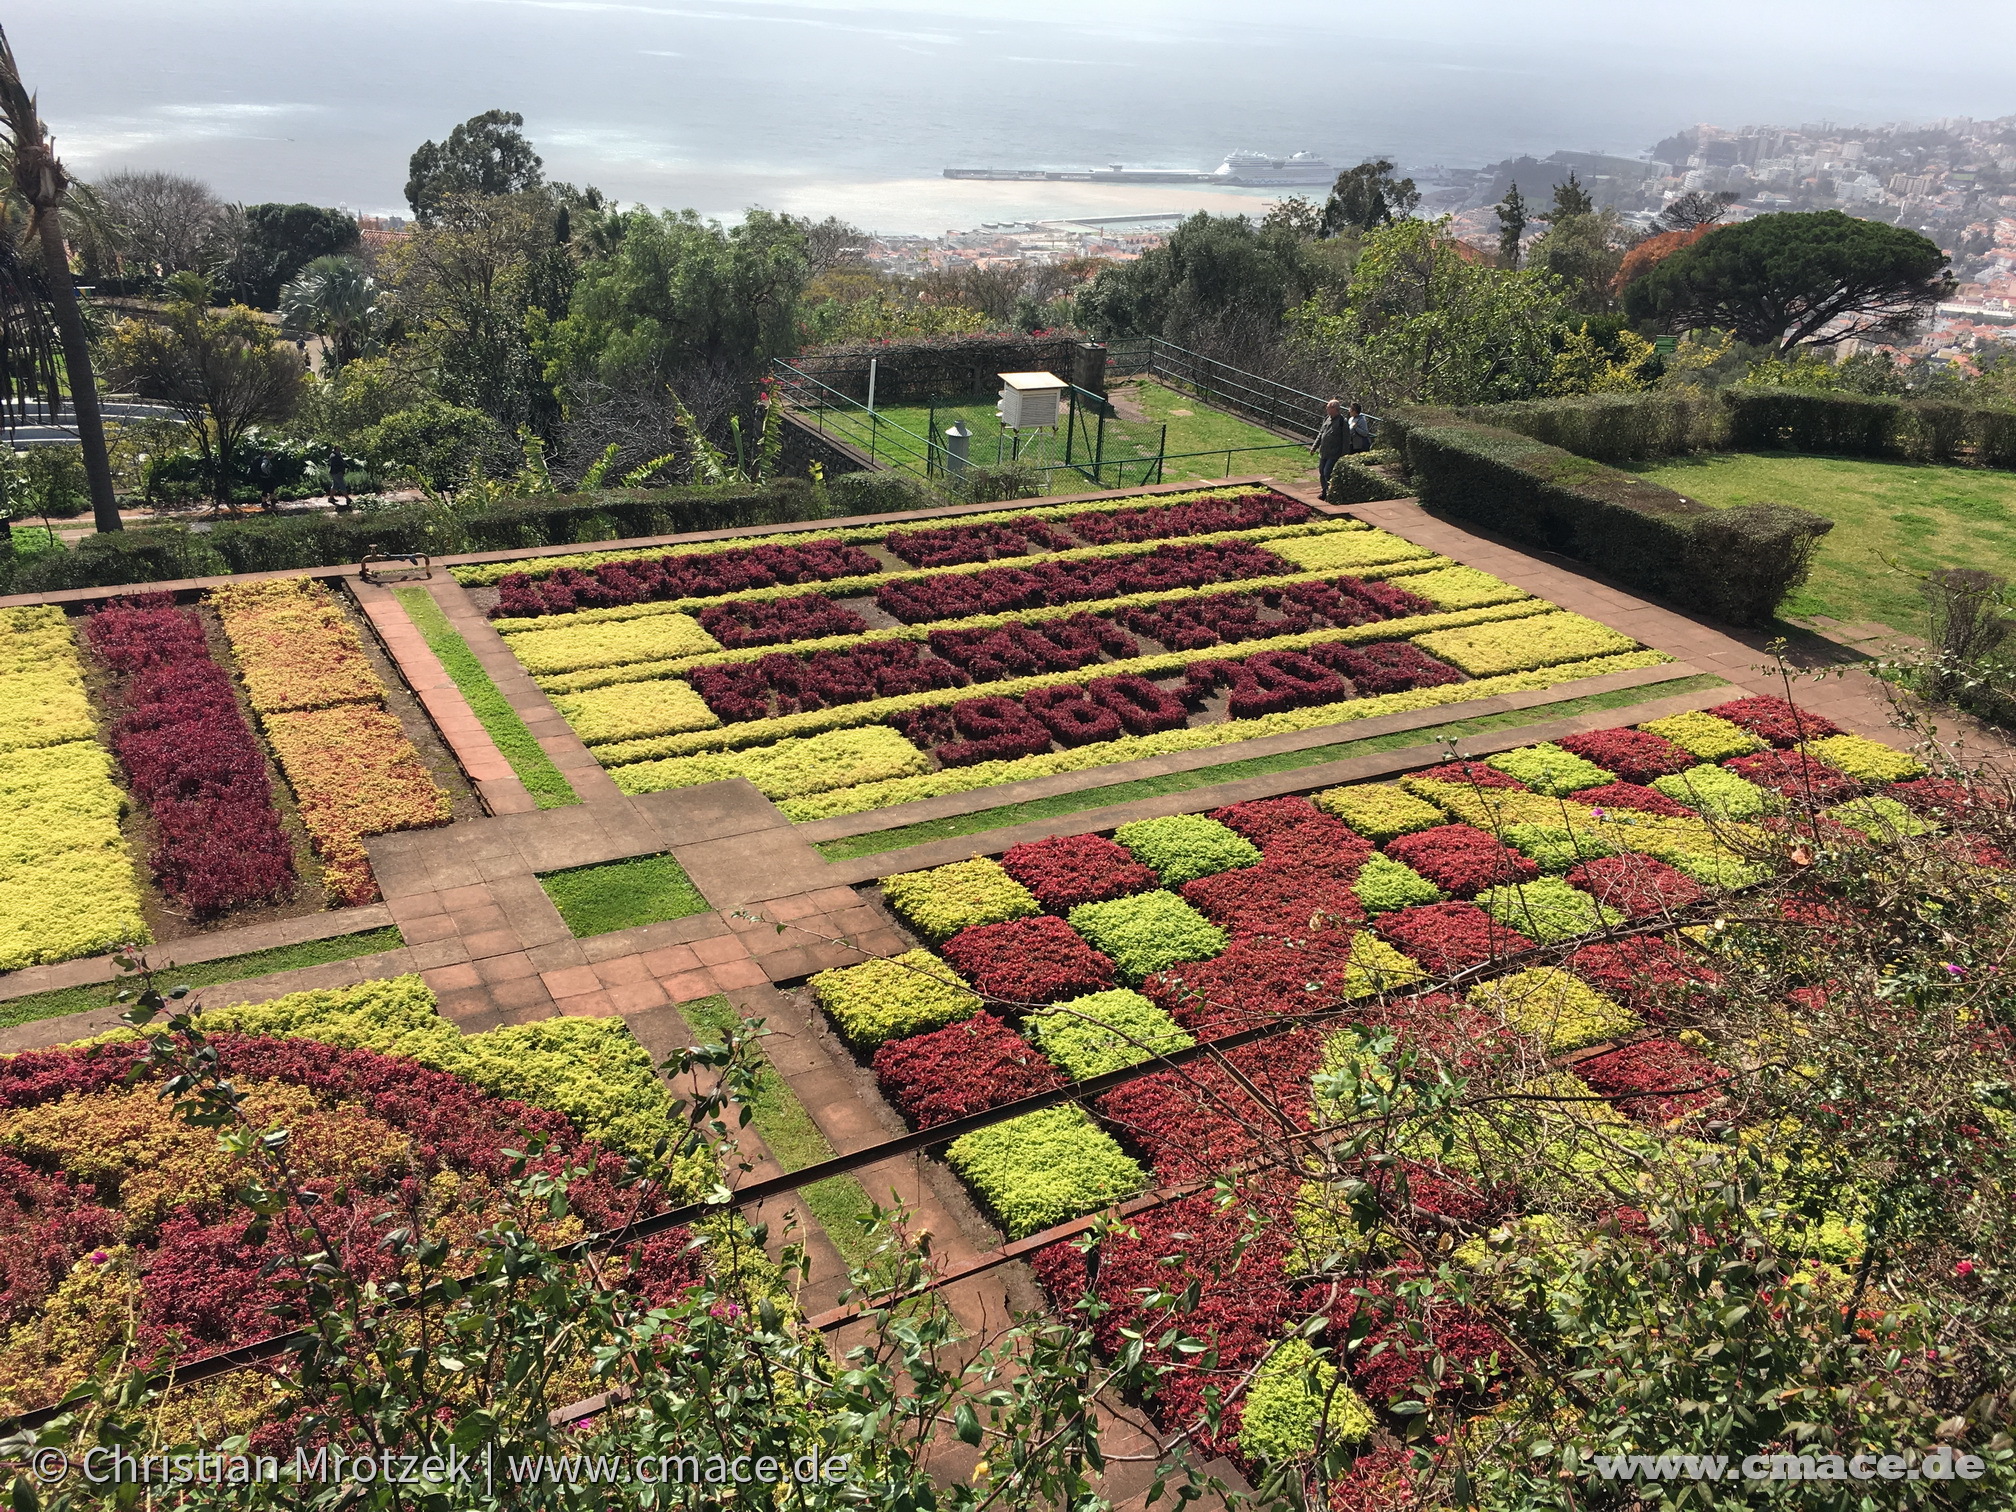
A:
(835, 107)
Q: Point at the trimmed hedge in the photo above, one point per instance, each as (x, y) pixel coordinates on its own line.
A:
(1184, 847)
(279, 543)
(1617, 427)
(946, 899)
(1352, 482)
(1104, 1031)
(1147, 932)
(879, 1001)
(1044, 1168)
(1736, 564)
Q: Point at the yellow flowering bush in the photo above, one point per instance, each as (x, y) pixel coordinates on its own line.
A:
(1346, 550)
(890, 999)
(295, 647)
(634, 711)
(1561, 1010)
(1542, 641)
(946, 899)
(355, 774)
(569, 648)
(790, 768)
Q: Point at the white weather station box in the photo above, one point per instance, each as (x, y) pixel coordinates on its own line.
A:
(1029, 400)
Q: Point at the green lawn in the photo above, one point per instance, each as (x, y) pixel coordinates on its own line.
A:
(840, 1203)
(896, 437)
(546, 783)
(876, 843)
(1891, 520)
(236, 968)
(613, 895)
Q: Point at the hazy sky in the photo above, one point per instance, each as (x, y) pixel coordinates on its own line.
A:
(830, 105)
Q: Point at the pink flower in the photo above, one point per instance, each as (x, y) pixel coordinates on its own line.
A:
(99, 1257)
(1964, 1268)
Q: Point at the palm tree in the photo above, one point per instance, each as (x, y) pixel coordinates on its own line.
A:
(335, 298)
(40, 180)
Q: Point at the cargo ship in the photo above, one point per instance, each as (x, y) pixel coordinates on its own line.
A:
(1242, 169)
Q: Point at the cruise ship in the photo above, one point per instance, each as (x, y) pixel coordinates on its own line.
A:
(1242, 169)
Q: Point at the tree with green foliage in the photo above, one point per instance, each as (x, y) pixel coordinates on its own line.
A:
(1212, 269)
(1697, 208)
(220, 370)
(1427, 322)
(681, 295)
(439, 446)
(1814, 278)
(1511, 213)
(1367, 197)
(336, 299)
(268, 244)
(486, 156)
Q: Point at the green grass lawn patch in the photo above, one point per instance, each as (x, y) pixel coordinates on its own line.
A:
(840, 1203)
(543, 780)
(1233, 771)
(1891, 520)
(613, 895)
(238, 968)
(1196, 432)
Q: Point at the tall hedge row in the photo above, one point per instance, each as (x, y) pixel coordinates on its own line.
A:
(163, 553)
(1735, 564)
(1677, 422)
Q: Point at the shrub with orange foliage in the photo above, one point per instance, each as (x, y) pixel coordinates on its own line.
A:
(1652, 251)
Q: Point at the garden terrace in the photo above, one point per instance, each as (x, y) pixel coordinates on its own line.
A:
(881, 687)
(1316, 921)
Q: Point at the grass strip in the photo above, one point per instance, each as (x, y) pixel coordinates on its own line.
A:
(612, 895)
(41, 1005)
(543, 780)
(852, 846)
(840, 1203)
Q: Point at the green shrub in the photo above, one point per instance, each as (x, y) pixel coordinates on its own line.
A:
(1864, 760)
(1556, 848)
(1352, 482)
(1147, 932)
(1546, 768)
(1879, 818)
(1292, 1392)
(1737, 564)
(1384, 884)
(873, 493)
(1704, 736)
(1717, 870)
(1547, 909)
(1044, 1168)
(1616, 427)
(1105, 1031)
(1380, 811)
(1557, 1008)
(884, 1000)
(946, 899)
(1717, 790)
(1184, 847)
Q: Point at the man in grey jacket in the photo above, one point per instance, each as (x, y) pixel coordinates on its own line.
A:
(1333, 437)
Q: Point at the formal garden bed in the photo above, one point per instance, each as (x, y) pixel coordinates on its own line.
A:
(129, 1223)
(874, 666)
(170, 769)
(1078, 955)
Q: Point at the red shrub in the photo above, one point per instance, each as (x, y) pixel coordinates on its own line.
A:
(1001, 590)
(996, 729)
(1634, 755)
(1449, 937)
(664, 1269)
(784, 683)
(1646, 973)
(1268, 900)
(1255, 980)
(1629, 795)
(953, 544)
(47, 1224)
(1071, 715)
(1260, 819)
(1775, 720)
(1386, 667)
(772, 622)
(1200, 1121)
(1152, 522)
(1019, 650)
(1462, 860)
(1471, 774)
(1326, 845)
(1039, 960)
(1642, 886)
(967, 1067)
(1659, 1065)
(1944, 798)
(193, 761)
(1268, 683)
(1142, 707)
(705, 575)
(1214, 620)
(1066, 870)
(1388, 1361)
(1796, 775)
